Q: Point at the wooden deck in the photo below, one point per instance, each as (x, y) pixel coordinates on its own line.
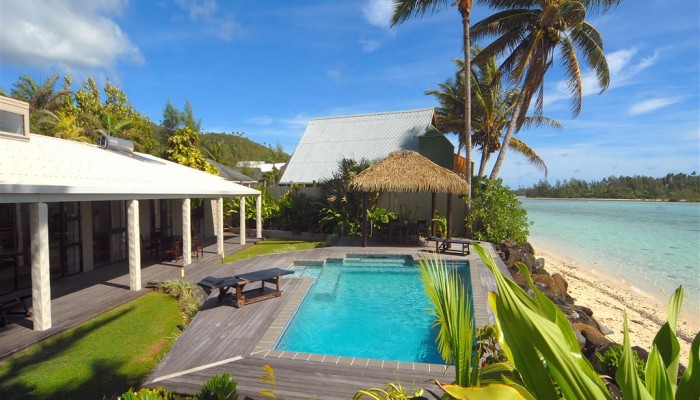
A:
(225, 339)
(84, 296)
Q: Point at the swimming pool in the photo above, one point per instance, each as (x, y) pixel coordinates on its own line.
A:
(368, 307)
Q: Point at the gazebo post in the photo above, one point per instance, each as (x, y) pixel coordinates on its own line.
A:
(433, 216)
(449, 216)
(364, 219)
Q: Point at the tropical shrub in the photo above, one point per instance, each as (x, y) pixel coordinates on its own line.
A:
(186, 294)
(296, 212)
(342, 211)
(497, 214)
(269, 208)
(608, 361)
(392, 391)
(219, 387)
(148, 394)
(662, 364)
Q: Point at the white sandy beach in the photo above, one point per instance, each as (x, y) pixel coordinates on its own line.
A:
(608, 297)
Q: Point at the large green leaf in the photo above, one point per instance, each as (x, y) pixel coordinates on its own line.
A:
(488, 392)
(657, 381)
(665, 340)
(626, 375)
(689, 387)
(453, 316)
(535, 334)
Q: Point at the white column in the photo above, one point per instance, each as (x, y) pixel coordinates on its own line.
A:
(220, 227)
(41, 273)
(186, 233)
(241, 216)
(134, 237)
(258, 217)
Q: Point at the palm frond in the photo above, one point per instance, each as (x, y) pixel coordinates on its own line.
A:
(573, 75)
(590, 43)
(407, 9)
(533, 158)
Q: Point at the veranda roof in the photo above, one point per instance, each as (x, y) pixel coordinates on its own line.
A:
(408, 171)
(50, 169)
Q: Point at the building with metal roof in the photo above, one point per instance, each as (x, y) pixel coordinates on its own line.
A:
(326, 141)
(232, 174)
(68, 207)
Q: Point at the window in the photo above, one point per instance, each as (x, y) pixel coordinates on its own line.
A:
(14, 118)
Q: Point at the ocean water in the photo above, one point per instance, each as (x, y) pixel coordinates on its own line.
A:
(652, 246)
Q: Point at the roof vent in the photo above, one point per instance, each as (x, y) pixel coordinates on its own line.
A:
(113, 143)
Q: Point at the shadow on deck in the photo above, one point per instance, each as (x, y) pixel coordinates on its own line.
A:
(81, 297)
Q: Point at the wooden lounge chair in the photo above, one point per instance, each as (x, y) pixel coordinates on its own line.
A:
(442, 245)
(239, 282)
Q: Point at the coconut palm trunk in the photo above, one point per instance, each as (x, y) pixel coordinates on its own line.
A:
(506, 139)
(465, 9)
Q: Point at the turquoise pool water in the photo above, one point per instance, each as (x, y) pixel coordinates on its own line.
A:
(365, 307)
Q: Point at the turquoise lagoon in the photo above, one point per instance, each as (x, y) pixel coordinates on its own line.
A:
(653, 246)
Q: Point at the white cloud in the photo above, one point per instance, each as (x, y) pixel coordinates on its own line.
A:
(369, 46)
(622, 66)
(207, 11)
(263, 121)
(334, 73)
(378, 12)
(298, 120)
(650, 105)
(71, 35)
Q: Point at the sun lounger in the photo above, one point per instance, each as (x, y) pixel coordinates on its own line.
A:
(239, 282)
(442, 245)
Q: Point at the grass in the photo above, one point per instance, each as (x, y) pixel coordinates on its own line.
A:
(269, 246)
(104, 356)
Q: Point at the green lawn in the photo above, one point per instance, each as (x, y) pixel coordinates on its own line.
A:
(104, 356)
(269, 246)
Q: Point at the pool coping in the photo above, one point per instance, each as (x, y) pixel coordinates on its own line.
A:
(266, 345)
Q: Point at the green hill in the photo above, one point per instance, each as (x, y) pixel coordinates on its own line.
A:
(230, 148)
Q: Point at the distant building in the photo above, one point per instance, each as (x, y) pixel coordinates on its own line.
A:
(67, 207)
(328, 140)
(232, 174)
(259, 167)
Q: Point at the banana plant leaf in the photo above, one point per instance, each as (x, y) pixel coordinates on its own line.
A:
(689, 387)
(626, 375)
(488, 392)
(540, 341)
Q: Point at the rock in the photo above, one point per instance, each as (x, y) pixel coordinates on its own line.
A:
(559, 286)
(581, 340)
(595, 340)
(603, 328)
(543, 282)
(539, 266)
(587, 310)
(529, 260)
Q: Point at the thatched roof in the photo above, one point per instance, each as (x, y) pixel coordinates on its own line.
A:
(408, 171)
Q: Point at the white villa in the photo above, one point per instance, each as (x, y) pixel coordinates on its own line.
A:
(68, 207)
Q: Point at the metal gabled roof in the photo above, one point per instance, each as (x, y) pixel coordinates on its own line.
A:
(50, 169)
(326, 141)
(231, 174)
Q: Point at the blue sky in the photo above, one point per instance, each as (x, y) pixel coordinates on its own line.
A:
(267, 67)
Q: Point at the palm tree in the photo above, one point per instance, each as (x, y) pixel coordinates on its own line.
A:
(492, 111)
(63, 124)
(528, 34)
(406, 9)
(40, 96)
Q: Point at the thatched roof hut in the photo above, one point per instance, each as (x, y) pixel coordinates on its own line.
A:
(408, 171)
